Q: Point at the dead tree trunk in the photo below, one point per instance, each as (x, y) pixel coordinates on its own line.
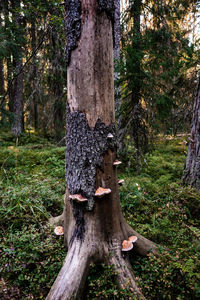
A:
(191, 174)
(95, 228)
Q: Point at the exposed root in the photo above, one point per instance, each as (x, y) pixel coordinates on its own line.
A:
(57, 220)
(71, 278)
(70, 281)
(124, 275)
(142, 247)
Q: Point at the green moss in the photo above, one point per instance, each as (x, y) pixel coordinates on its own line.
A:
(155, 203)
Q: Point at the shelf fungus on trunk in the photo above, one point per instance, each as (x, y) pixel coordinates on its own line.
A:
(127, 245)
(132, 239)
(110, 136)
(120, 181)
(59, 230)
(78, 198)
(117, 163)
(100, 192)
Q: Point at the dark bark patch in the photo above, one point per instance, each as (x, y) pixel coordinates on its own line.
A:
(85, 149)
(72, 25)
(78, 212)
(108, 7)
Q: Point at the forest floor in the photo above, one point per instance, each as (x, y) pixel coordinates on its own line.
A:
(32, 187)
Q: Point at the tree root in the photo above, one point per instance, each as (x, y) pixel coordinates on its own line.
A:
(57, 220)
(124, 275)
(70, 281)
(71, 278)
(142, 247)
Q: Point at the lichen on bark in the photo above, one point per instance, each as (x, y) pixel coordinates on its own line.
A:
(73, 26)
(85, 149)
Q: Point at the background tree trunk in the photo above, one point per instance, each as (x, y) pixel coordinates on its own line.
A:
(1, 65)
(191, 174)
(2, 90)
(94, 230)
(17, 127)
(35, 94)
(139, 130)
(59, 105)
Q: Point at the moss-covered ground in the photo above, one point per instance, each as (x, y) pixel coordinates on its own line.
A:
(32, 186)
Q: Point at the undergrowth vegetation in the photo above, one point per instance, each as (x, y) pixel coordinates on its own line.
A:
(32, 186)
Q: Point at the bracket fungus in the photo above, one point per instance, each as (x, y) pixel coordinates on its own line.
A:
(78, 198)
(100, 192)
(110, 136)
(117, 162)
(132, 239)
(59, 230)
(121, 181)
(127, 245)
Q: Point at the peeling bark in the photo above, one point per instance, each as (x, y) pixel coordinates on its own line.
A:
(191, 174)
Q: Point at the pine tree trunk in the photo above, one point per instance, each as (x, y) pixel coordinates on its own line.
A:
(17, 127)
(95, 229)
(191, 174)
(35, 95)
(10, 85)
(57, 86)
(139, 130)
